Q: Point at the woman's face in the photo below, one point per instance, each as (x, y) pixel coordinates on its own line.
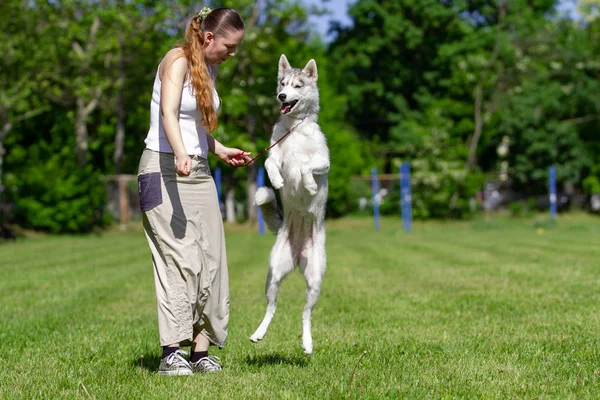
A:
(220, 48)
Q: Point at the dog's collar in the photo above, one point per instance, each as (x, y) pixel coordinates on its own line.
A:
(300, 119)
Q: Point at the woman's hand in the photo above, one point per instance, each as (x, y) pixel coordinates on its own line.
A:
(234, 157)
(183, 164)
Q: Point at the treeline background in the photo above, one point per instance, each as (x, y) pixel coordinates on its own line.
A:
(466, 91)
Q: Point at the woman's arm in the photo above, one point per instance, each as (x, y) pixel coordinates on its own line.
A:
(214, 146)
(172, 76)
(232, 156)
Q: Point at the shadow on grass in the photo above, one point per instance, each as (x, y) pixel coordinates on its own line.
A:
(276, 359)
(149, 363)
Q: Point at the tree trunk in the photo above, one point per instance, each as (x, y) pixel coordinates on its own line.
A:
(5, 129)
(478, 124)
(120, 128)
(230, 206)
(123, 202)
(251, 192)
(81, 132)
(472, 160)
(251, 126)
(251, 178)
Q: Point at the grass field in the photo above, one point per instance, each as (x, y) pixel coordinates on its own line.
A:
(481, 309)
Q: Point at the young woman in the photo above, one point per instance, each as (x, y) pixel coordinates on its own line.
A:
(182, 219)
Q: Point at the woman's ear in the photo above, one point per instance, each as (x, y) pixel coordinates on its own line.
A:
(208, 37)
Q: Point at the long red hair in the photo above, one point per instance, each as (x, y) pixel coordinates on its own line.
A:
(218, 21)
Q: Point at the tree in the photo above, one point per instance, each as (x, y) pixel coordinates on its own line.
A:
(81, 54)
(19, 98)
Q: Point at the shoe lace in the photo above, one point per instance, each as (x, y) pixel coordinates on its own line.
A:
(177, 359)
(210, 362)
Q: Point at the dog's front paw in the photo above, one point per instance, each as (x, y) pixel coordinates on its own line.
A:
(277, 182)
(311, 187)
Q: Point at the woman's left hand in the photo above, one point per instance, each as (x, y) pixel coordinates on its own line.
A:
(234, 157)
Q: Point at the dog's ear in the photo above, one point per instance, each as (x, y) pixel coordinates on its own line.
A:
(284, 65)
(311, 70)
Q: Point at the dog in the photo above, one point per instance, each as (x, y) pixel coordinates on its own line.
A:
(297, 166)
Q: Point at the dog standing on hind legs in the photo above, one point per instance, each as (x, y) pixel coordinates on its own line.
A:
(297, 166)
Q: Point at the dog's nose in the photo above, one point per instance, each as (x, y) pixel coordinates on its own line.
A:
(281, 96)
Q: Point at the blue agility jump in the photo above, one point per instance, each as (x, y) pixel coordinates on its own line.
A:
(552, 191)
(405, 197)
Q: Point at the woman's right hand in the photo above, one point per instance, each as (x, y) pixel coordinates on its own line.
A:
(183, 164)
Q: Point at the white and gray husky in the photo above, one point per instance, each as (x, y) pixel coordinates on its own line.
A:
(298, 167)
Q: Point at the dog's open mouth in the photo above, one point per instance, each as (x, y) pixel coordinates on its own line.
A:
(287, 107)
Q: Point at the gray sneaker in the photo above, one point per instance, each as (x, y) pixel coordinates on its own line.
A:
(207, 364)
(175, 364)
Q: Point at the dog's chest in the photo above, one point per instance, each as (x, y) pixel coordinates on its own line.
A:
(297, 150)
(297, 146)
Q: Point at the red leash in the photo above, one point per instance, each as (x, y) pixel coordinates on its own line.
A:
(273, 145)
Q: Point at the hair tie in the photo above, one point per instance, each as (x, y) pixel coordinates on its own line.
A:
(202, 14)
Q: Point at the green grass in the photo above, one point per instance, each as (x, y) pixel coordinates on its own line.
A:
(506, 308)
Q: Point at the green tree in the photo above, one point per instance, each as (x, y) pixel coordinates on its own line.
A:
(19, 98)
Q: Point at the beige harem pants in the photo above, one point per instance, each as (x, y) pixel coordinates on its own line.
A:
(184, 228)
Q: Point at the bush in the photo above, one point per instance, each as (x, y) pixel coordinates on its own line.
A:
(348, 158)
(442, 187)
(58, 196)
(516, 209)
(591, 185)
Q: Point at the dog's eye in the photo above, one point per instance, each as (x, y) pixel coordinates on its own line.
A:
(298, 86)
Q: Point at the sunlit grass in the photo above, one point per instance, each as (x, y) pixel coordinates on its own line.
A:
(498, 308)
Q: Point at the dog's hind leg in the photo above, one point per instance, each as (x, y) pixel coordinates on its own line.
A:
(281, 264)
(312, 264)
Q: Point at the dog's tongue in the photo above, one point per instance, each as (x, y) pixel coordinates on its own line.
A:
(285, 107)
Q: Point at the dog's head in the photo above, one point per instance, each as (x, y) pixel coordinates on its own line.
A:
(297, 88)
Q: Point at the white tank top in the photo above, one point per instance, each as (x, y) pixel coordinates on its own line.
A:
(193, 132)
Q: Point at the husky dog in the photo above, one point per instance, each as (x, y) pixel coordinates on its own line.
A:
(298, 167)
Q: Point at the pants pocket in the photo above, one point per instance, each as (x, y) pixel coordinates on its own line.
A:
(150, 191)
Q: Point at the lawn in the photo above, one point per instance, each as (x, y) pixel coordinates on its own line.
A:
(500, 308)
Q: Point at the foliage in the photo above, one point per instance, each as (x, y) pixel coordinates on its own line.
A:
(591, 184)
(437, 83)
(441, 185)
(51, 191)
(536, 81)
(348, 153)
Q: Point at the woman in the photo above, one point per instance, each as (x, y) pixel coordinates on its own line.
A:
(182, 219)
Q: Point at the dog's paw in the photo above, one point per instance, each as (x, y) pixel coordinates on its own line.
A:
(307, 344)
(257, 336)
(254, 339)
(311, 187)
(277, 182)
(307, 349)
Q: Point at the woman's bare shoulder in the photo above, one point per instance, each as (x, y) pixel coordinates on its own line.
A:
(173, 61)
(175, 53)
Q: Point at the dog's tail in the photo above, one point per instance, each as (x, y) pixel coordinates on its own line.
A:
(265, 199)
